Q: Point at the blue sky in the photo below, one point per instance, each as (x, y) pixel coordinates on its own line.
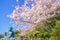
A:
(6, 7)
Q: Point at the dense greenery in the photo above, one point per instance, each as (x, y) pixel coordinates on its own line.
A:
(56, 31)
(17, 34)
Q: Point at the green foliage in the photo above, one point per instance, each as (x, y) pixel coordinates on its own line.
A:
(46, 34)
(43, 35)
(40, 35)
(57, 24)
(41, 31)
(1, 36)
(56, 31)
(17, 34)
(45, 29)
(51, 22)
(57, 17)
(40, 27)
(31, 33)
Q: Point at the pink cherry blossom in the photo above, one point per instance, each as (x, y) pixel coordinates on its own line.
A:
(38, 13)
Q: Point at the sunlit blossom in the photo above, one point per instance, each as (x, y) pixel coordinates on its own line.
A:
(39, 12)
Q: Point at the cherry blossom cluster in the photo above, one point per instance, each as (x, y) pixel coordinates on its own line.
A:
(34, 12)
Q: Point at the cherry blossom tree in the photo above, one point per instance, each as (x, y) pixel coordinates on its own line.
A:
(35, 12)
